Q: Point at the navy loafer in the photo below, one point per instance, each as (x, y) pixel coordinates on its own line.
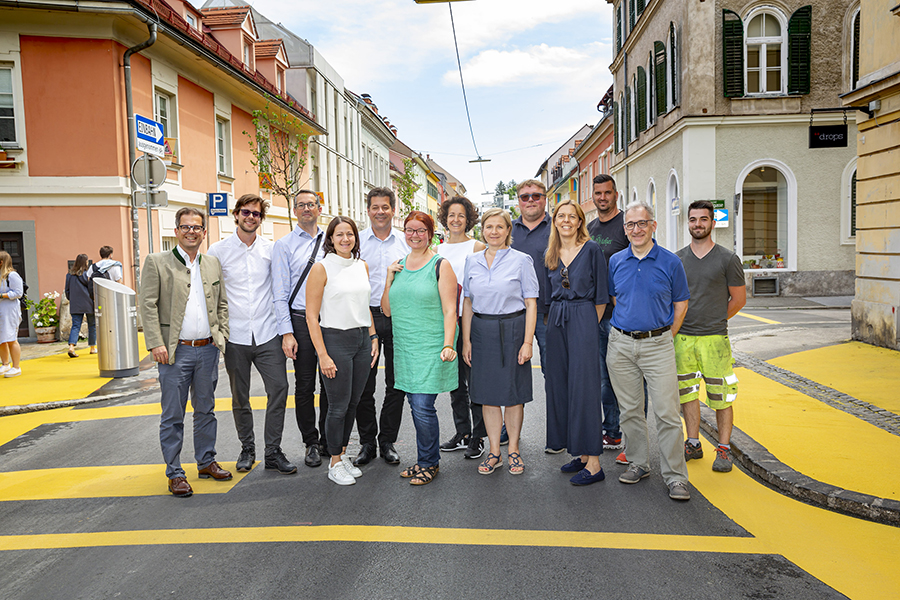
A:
(584, 477)
(573, 466)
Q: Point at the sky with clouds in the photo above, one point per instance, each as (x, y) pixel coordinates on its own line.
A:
(534, 71)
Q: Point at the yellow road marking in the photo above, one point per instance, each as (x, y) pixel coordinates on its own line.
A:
(385, 534)
(103, 482)
(760, 319)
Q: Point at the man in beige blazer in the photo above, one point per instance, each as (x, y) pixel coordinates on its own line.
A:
(185, 316)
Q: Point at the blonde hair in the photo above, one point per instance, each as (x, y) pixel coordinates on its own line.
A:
(6, 266)
(551, 257)
(533, 183)
(503, 214)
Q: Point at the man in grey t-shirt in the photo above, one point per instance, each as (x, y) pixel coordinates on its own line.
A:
(702, 349)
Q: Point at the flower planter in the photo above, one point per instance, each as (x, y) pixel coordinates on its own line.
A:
(45, 335)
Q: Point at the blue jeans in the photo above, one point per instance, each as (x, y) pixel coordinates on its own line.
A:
(540, 333)
(77, 319)
(427, 430)
(607, 395)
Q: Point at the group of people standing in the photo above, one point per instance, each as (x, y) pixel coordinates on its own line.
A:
(80, 293)
(462, 320)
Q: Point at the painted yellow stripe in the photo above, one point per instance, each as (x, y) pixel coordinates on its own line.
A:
(866, 372)
(103, 482)
(382, 534)
(760, 319)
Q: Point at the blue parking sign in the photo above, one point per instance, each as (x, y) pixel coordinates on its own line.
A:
(218, 204)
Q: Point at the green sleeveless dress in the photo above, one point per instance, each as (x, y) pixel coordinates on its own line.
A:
(417, 322)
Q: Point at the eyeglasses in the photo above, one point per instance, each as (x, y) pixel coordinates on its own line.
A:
(246, 213)
(411, 231)
(642, 224)
(309, 205)
(532, 197)
(191, 228)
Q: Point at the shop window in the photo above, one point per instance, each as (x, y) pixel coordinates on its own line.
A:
(764, 212)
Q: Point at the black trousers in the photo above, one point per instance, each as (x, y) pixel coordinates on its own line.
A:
(392, 407)
(305, 366)
(461, 404)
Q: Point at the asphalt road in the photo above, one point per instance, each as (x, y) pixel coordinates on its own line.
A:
(463, 536)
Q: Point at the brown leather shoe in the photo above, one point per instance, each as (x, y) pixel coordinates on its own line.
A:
(214, 471)
(180, 488)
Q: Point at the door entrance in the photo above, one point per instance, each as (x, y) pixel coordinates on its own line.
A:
(12, 242)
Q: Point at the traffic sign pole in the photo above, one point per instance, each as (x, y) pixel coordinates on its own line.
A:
(149, 210)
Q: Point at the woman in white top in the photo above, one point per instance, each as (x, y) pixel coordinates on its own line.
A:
(11, 290)
(458, 216)
(341, 328)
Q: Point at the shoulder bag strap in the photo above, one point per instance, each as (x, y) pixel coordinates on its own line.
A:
(309, 264)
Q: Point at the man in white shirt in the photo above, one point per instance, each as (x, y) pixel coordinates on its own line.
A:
(185, 314)
(246, 260)
(112, 268)
(380, 246)
(292, 258)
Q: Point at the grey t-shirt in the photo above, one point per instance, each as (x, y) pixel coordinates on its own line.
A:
(708, 279)
(610, 236)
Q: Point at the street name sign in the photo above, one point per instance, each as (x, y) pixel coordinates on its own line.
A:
(149, 136)
(218, 204)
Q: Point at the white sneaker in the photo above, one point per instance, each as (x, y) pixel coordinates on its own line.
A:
(4, 368)
(12, 372)
(338, 474)
(351, 468)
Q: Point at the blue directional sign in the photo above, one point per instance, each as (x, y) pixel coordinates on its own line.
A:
(721, 215)
(218, 204)
(149, 136)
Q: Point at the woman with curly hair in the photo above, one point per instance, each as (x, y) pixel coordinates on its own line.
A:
(458, 216)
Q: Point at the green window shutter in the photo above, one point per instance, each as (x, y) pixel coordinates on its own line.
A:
(641, 4)
(627, 115)
(618, 28)
(632, 16)
(641, 99)
(733, 54)
(651, 92)
(799, 50)
(659, 51)
(853, 204)
(616, 131)
(854, 76)
(673, 51)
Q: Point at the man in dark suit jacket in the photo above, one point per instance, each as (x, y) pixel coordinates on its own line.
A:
(185, 316)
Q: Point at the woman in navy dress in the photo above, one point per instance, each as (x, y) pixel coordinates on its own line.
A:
(576, 278)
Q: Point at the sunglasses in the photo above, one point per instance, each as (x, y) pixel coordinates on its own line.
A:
(246, 213)
(565, 277)
(531, 197)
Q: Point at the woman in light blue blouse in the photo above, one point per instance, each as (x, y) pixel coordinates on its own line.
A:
(499, 315)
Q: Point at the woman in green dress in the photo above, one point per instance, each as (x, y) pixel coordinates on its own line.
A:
(420, 298)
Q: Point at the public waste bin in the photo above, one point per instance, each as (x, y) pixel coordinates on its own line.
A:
(115, 308)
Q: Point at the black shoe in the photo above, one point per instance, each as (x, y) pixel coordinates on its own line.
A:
(367, 454)
(312, 456)
(323, 450)
(475, 448)
(458, 442)
(389, 455)
(275, 459)
(245, 459)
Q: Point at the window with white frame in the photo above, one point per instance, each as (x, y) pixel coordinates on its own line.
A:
(764, 207)
(7, 111)
(190, 20)
(848, 203)
(223, 147)
(165, 112)
(854, 50)
(765, 55)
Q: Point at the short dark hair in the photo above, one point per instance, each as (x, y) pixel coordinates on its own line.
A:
(189, 210)
(703, 204)
(603, 178)
(381, 192)
(471, 211)
(106, 251)
(318, 198)
(328, 246)
(425, 218)
(250, 199)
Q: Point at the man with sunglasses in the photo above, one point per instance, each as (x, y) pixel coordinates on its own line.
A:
(292, 259)
(649, 287)
(184, 310)
(246, 260)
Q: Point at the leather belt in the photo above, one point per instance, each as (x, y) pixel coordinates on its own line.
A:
(639, 335)
(196, 343)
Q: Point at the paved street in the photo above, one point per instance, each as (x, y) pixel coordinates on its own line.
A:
(87, 515)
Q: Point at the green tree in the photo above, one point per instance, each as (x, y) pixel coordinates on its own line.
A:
(406, 187)
(279, 151)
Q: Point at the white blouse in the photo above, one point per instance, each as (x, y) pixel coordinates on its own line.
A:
(345, 301)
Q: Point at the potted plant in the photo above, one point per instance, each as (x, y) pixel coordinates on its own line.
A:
(44, 317)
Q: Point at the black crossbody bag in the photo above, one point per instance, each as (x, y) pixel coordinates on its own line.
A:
(309, 264)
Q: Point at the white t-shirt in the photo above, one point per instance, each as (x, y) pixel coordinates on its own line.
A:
(345, 300)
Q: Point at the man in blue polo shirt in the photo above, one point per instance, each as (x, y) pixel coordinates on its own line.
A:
(650, 290)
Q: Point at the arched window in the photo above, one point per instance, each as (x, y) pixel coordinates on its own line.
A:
(766, 225)
(651, 195)
(672, 206)
(854, 50)
(765, 58)
(848, 203)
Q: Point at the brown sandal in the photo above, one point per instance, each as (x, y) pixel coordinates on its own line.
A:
(424, 476)
(410, 472)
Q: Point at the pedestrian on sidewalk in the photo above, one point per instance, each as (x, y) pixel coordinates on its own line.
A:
(499, 314)
(107, 267)
(341, 329)
(420, 299)
(253, 339)
(11, 291)
(650, 291)
(702, 349)
(458, 216)
(185, 314)
(81, 303)
(380, 245)
(577, 287)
